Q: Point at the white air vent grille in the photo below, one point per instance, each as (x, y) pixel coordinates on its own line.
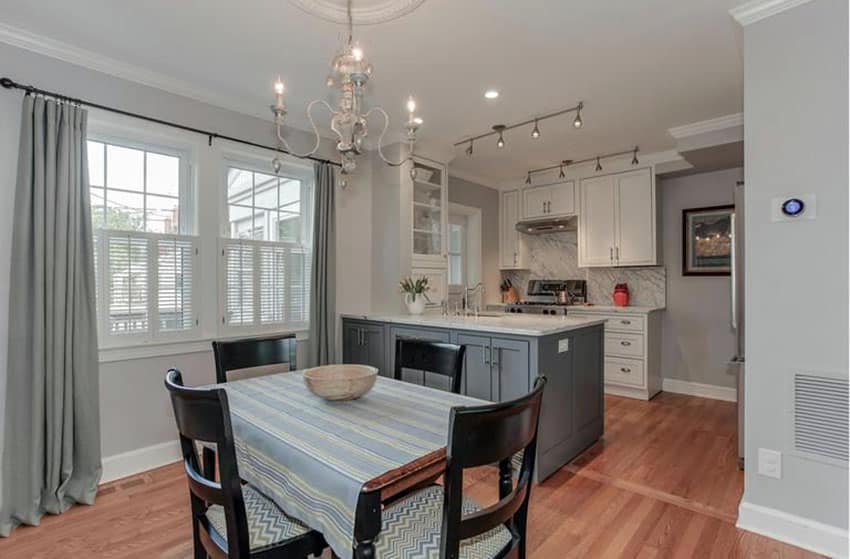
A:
(821, 416)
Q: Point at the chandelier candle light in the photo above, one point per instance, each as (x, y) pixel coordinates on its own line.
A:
(350, 72)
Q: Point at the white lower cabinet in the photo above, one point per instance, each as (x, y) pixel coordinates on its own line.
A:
(632, 351)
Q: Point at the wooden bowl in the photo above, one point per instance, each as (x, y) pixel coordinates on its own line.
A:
(340, 382)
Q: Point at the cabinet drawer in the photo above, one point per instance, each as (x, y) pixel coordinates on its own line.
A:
(623, 345)
(624, 371)
(616, 322)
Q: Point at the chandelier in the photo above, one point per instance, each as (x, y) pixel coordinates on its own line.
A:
(350, 72)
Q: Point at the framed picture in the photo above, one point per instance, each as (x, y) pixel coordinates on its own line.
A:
(707, 241)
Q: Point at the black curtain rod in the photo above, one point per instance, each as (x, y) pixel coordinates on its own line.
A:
(9, 83)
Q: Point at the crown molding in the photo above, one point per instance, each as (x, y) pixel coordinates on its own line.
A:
(66, 52)
(704, 126)
(757, 10)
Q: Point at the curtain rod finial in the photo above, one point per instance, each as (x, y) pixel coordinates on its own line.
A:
(7, 83)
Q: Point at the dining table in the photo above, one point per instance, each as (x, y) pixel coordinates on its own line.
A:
(334, 464)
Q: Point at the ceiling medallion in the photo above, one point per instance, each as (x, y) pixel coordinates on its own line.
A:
(368, 12)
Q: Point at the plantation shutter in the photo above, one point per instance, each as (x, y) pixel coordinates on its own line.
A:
(146, 285)
(267, 284)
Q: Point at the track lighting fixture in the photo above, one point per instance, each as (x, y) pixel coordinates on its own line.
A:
(500, 128)
(597, 158)
(577, 122)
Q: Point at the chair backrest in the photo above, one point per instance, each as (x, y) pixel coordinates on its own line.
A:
(433, 357)
(489, 434)
(253, 352)
(203, 416)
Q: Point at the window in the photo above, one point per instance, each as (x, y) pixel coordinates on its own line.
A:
(145, 262)
(457, 249)
(266, 249)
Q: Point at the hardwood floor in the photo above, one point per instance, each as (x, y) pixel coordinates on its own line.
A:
(662, 483)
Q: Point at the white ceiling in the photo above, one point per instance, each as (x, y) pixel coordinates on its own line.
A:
(640, 67)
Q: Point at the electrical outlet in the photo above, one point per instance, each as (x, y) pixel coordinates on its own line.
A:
(770, 463)
(563, 345)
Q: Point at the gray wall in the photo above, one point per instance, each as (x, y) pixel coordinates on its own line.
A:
(698, 340)
(795, 122)
(487, 199)
(134, 410)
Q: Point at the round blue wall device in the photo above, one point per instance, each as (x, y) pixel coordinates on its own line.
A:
(793, 207)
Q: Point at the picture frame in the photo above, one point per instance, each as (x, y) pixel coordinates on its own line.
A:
(707, 241)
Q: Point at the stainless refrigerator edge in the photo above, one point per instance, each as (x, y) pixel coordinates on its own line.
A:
(738, 361)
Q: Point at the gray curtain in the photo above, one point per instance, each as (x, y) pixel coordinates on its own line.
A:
(51, 458)
(323, 275)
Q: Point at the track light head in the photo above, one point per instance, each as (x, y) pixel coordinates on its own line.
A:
(561, 171)
(535, 133)
(528, 178)
(469, 149)
(634, 156)
(598, 164)
(500, 128)
(577, 122)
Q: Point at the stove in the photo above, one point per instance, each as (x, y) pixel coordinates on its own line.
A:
(551, 297)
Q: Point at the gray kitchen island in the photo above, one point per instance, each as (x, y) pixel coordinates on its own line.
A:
(504, 354)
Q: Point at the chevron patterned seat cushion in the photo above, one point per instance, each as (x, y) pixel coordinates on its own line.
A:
(267, 524)
(411, 529)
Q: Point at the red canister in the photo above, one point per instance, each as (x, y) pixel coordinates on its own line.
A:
(621, 295)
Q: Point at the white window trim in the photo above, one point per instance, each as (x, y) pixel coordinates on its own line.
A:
(472, 264)
(257, 161)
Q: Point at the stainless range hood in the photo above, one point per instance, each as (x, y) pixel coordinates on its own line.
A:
(553, 225)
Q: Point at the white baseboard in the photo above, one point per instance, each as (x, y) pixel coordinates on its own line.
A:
(139, 460)
(697, 389)
(795, 530)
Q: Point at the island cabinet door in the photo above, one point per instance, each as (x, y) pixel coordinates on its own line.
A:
(411, 375)
(352, 343)
(373, 350)
(477, 369)
(510, 368)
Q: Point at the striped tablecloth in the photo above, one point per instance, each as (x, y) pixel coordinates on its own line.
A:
(312, 456)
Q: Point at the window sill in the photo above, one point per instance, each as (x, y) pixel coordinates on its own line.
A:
(162, 349)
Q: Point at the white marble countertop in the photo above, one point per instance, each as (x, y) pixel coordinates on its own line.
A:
(502, 323)
(613, 309)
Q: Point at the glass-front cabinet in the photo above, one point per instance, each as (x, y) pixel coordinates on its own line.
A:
(430, 214)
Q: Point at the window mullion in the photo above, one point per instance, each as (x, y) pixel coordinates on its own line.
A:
(153, 286)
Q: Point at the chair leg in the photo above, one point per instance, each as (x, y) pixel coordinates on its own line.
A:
(199, 551)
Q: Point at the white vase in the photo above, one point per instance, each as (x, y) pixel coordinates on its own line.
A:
(414, 306)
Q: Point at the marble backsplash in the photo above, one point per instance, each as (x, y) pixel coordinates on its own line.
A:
(555, 256)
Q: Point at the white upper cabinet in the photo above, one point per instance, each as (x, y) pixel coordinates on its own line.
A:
(636, 221)
(430, 215)
(618, 220)
(596, 222)
(512, 251)
(549, 201)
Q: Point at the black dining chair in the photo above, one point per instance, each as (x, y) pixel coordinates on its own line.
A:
(441, 521)
(433, 357)
(247, 353)
(229, 519)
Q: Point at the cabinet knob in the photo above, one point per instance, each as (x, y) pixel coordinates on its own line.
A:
(625, 370)
(625, 343)
(625, 322)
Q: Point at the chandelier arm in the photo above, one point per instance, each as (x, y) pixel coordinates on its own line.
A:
(381, 139)
(315, 130)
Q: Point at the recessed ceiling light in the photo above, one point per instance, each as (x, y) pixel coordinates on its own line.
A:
(491, 94)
